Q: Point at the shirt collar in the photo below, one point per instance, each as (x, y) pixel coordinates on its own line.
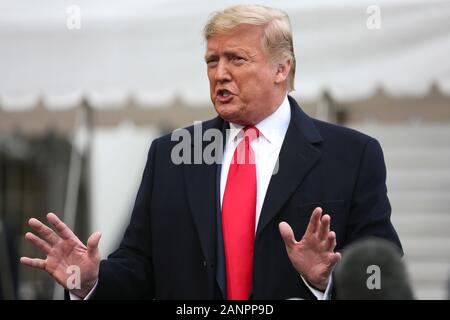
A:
(273, 128)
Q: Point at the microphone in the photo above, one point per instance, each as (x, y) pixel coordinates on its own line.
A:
(372, 269)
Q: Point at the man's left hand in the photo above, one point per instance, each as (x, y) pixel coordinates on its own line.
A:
(313, 256)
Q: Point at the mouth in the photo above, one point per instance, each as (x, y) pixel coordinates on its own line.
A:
(224, 95)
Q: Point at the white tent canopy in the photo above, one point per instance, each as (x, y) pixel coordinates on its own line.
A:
(153, 50)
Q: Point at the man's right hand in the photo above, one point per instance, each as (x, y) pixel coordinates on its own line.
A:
(63, 249)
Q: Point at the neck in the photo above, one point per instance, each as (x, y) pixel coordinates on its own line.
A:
(275, 104)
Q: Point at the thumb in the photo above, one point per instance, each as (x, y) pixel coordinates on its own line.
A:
(287, 234)
(92, 243)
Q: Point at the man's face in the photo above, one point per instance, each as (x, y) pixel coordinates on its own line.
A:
(241, 75)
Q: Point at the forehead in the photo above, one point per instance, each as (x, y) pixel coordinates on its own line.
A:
(243, 36)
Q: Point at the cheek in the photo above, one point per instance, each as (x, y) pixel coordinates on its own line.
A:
(255, 84)
(211, 73)
(260, 76)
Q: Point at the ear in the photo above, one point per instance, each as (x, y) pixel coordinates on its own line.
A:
(282, 72)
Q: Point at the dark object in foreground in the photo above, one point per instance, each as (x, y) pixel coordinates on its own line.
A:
(372, 269)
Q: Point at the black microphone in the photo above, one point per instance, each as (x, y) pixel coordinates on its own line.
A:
(372, 269)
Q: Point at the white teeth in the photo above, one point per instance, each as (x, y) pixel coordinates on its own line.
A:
(225, 94)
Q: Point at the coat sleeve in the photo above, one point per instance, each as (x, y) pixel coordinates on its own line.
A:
(127, 273)
(370, 210)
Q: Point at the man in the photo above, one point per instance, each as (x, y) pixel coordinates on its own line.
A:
(228, 230)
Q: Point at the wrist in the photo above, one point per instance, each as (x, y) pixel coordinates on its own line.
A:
(319, 286)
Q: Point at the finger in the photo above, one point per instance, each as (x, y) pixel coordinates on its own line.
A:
(335, 258)
(45, 232)
(324, 227)
(38, 242)
(314, 221)
(92, 243)
(287, 234)
(60, 227)
(34, 263)
(331, 242)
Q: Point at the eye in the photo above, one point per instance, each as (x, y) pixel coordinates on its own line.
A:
(238, 60)
(211, 63)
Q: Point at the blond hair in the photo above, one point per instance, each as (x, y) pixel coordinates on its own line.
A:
(277, 39)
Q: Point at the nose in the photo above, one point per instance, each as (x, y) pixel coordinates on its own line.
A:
(222, 73)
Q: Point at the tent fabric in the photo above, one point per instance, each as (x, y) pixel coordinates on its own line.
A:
(152, 50)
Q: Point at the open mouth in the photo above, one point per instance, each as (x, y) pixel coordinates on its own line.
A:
(224, 93)
(224, 96)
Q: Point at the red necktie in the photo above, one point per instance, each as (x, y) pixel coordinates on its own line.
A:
(238, 218)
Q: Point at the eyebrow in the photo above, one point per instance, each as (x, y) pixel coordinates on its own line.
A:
(209, 56)
(228, 53)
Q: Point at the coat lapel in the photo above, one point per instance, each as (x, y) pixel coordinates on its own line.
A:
(297, 157)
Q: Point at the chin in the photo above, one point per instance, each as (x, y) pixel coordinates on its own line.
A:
(230, 113)
(227, 116)
(231, 117)
(225, 111)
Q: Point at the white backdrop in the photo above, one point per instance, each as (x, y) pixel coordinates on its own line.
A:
(153, 49)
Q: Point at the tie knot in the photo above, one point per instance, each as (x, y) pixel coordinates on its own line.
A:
(251, 133)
